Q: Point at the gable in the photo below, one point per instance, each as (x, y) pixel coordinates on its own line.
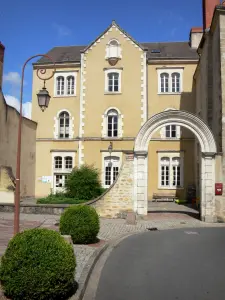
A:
(107, 31)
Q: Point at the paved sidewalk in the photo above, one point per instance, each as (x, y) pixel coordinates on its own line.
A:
(110, 229)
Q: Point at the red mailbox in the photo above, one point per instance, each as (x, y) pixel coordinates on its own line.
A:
(218, 189)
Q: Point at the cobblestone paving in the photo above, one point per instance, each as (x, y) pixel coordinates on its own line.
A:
(110, 229)
(82, 253)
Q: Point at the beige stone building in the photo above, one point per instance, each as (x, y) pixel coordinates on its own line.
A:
(149, 100)
(9, 119)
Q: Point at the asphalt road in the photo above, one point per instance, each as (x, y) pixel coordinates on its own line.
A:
(184, 264)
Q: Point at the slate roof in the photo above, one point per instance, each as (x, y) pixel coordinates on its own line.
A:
(167, 50)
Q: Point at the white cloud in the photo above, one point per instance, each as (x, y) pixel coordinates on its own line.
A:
(14, 102)
(13, 78)
(62, 30)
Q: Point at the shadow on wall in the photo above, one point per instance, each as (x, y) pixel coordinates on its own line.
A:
(187, 146)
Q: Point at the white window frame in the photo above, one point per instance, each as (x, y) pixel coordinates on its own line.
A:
(119, 50)
(56, 132)
(105, 158)
(63, 170)
(105, 123)
(171, 156)
(107, 72)
(163, 130)
(65, 75)
(170, 71)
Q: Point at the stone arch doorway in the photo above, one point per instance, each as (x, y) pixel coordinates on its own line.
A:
(208, 149)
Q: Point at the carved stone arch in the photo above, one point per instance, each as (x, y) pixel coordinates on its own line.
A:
(208, 149)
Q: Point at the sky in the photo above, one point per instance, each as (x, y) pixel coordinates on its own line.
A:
(34, 27)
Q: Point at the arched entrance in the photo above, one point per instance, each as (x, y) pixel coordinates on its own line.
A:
(208, 149)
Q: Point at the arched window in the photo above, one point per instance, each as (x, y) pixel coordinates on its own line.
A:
(164, 88)
(112, 123)
(70, 85)
(176, 171)
(111, 169)
(60, 85)
(64, 124)
(175, 82)
(68, 162)
(165, 171)
(113, 82)
(114, 48)
(58, 162)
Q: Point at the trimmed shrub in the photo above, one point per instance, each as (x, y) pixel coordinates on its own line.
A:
(83, 183)
(81, 222)
(38, 265)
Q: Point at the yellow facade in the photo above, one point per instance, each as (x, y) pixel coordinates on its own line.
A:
(138, 98)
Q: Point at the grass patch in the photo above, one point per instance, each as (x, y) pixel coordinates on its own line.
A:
(179, 201)
(59, 199)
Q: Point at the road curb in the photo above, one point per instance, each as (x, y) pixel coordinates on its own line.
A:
(86, 273)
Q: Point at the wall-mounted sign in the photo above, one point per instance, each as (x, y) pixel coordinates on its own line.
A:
(46, 179)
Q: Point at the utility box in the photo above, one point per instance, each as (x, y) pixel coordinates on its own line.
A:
(218, 189)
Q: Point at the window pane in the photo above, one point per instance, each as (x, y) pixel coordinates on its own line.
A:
(68, 162)
(107, 175)
(58, 162)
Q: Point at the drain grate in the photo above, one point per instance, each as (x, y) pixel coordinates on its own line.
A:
(152, 229)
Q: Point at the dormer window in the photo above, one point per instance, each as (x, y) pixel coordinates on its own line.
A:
(113, 49)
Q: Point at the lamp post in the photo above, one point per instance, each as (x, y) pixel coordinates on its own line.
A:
(43, 101)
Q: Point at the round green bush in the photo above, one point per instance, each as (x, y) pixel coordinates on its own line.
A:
(81, 222)
(38, 265)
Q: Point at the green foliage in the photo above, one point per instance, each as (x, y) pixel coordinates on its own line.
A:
(81, 222)
(38, 265)
(83, 183)
(59, 198)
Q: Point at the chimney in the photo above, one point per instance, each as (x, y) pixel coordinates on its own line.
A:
(2, 50)
(195, 37)
(208, 7)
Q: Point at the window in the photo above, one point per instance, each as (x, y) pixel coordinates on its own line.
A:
(113, 81)
(170, 171)
(165, 171)
(176, 171)
(65, 84)
(111, 170)
(175, 82)
(113, 123)
(62, 166)
(60, 85)
(170, 80)
(70, 85)
(58, 162)
(113, 49)
(64, 124)
(164, 83)
(68, 162)
(171, 131)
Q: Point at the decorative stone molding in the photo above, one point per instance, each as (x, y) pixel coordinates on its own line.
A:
(208, 149)
(82, 106)
(143, 87)
(180, 118)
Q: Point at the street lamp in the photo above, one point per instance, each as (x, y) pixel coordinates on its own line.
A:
(43, 101)
(110, 148)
